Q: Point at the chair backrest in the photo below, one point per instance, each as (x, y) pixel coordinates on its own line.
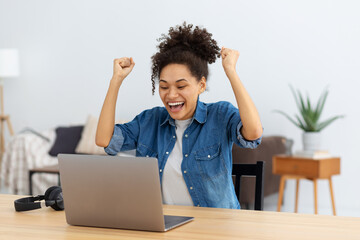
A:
(256, 170)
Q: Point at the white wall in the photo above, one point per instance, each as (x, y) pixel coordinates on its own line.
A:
(67, 47)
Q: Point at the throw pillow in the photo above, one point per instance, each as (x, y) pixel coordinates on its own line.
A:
(87, 142)
(66, 140)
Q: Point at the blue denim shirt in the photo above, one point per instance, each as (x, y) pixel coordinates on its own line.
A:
(207, 148)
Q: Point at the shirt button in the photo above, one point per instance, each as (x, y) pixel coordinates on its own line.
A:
(209, 156)
(160, 170)
(147, 155)
(191, 188)
(185, 171)
(186, 135)
(198, 205)
(167, 152)
(186, 155)
(173, 136)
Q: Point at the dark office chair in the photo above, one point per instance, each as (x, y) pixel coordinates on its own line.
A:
(256, 170)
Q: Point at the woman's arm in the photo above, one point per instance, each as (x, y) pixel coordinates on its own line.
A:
(252, 128)
(105, 127)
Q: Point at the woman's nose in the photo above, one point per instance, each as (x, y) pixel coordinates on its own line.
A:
(173, 92)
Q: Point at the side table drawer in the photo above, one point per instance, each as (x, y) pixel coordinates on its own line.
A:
(306, 168)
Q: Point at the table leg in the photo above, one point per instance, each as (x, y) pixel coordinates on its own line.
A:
(332, 196)
(30, 182)
(281, 192)
(297, 195)
(315, 196)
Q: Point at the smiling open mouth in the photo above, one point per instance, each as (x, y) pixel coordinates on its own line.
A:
(176, 106)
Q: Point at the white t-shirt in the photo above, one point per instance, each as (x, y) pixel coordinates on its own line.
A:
(174, 189)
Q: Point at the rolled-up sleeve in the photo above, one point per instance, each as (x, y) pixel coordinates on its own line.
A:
(234, 125)
(125, 137)
(116, 141)
(244, 142)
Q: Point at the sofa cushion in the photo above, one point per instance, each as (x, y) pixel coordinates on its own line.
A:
(66, 140)
(87, 142)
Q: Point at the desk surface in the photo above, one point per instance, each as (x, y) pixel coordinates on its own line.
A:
(209, 223)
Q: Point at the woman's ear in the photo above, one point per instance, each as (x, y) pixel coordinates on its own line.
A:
(202, 85)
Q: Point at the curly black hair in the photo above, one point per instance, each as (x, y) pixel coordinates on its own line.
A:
(184, 45)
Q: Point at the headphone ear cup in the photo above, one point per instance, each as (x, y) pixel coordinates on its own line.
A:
(54, 198)
(48, 191)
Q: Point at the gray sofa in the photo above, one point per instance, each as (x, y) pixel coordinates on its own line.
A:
(269, 146)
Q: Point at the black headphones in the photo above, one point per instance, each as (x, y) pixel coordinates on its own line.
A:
(53, 198)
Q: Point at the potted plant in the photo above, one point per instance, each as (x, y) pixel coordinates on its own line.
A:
(309, 119)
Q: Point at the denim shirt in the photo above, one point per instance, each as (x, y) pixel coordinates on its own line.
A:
(207, 148)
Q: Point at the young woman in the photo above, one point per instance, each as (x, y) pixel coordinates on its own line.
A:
(192, 140)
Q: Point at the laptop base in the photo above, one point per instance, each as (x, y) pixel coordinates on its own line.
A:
(175, 221)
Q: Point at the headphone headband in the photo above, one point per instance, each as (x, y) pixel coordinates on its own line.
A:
(28, 203)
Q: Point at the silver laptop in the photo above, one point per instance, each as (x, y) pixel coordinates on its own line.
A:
(114, 192)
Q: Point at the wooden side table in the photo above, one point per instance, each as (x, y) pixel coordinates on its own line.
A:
(290, 167)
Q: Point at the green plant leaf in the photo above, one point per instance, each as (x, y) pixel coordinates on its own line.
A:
(320, 104)
(302, 109)
(311, 112)
(301, 124)
(288, 117)
(311, 126)
(308, 119)
(308, 103)
(325, 123)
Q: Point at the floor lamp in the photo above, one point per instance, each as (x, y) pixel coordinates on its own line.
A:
(9, 68)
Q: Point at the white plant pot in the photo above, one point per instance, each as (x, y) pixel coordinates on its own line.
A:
(311, 141)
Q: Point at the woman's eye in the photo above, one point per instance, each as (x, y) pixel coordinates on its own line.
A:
(164, 88)
(181, 87)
